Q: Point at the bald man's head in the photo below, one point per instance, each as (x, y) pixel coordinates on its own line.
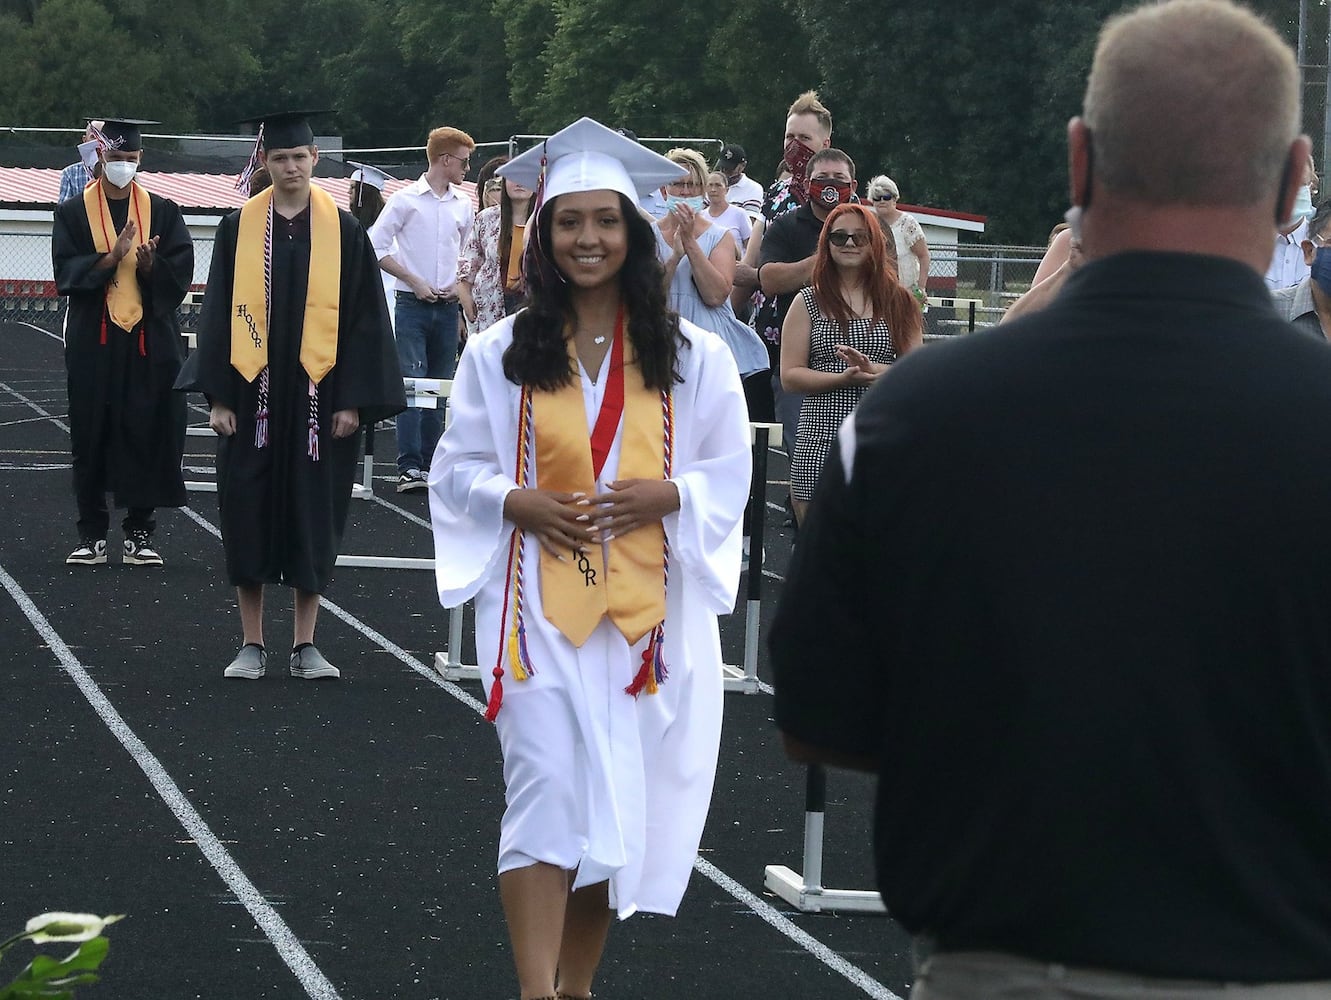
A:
(1191, 102)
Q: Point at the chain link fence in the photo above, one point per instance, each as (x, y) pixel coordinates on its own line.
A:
(970, 285)
(27, 286)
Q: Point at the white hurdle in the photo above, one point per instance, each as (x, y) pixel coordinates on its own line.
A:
(806, 891)
(742, 678)
(422, 394)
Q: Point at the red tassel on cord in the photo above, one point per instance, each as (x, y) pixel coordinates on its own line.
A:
(143, 350)
(644, 673)
(496, 695)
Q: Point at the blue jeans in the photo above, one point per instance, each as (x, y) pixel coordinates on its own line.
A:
(427, 347)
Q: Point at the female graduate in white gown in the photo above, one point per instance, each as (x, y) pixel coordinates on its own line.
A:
(599, 554)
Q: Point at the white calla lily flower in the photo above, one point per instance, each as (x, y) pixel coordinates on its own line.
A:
(67, 926)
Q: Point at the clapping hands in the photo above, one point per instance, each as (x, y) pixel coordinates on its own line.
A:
(859, 369)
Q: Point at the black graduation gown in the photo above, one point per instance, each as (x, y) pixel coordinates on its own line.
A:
(283, 513)
(120, 396)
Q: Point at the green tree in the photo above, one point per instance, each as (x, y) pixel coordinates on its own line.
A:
(79, 57)
(457, 54)
(964, 104)
(759, 62)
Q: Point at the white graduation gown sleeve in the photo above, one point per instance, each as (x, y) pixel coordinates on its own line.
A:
(713, 475)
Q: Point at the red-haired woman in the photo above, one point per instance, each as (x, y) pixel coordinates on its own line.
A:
(855, 320)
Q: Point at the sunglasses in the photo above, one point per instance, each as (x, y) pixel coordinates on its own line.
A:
(840, 237)
(886, 197)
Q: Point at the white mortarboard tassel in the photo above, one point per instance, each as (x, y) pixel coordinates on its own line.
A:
(366, 173)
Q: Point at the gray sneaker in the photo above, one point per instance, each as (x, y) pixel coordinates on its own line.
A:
(309, 664)
(89, 553)
(139, 550)
(249, 663)
(412, 479)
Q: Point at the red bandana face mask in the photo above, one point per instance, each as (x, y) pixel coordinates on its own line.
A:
(797, 157)
(829, 194)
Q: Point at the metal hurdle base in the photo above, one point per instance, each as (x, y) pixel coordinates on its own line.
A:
(806, 892)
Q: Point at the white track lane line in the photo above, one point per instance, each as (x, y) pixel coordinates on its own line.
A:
(768, 913)
(298, 960)
(44, 333)
(35, 407)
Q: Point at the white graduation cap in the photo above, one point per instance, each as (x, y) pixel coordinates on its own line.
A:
(587, 156)
(366, 173)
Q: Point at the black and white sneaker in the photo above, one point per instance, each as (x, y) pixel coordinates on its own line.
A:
(139, 550)
(309, 664)
(89, 553)
(412, 479)
(249, 663)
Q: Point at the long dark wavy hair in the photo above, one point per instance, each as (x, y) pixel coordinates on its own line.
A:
(538, 356)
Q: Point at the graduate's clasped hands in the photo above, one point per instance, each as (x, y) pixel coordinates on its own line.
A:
(564, 521)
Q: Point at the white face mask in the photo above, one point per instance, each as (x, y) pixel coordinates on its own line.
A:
(1303, 206)
(120, 172)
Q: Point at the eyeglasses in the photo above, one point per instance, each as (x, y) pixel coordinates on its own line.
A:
(465, 162)
(885, 197)
(840, 237)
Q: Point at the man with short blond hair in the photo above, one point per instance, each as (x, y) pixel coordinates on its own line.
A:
(1064, 585)
(808, 131)
(418, 238)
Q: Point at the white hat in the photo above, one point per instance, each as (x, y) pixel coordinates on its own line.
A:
(368, 174)
(587, 156)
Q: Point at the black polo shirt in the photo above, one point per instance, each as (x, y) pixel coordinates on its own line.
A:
(1076, 600)
(787, 239)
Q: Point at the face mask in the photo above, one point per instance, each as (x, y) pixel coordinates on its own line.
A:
(697, 203)
(1303, 206)
(88, 154)
(1321, 269)
(829, 194)
(120, 172)
(1073, 218)
(797, 157)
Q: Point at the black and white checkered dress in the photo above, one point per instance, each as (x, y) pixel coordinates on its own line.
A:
(821, 414)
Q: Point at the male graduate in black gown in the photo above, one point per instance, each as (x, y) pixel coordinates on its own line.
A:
(295, 351)
(124, 259)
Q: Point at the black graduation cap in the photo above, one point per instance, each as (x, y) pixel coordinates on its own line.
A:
(122, 133)
(286, 129)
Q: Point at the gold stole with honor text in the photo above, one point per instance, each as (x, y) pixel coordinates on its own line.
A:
(124, 301)
(252, 292)
(626, 577)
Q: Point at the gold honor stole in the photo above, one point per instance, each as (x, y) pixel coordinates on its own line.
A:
(250, 295)
(625, 578)
(124, 301)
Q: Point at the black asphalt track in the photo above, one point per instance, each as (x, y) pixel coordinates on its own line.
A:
(285, 839)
